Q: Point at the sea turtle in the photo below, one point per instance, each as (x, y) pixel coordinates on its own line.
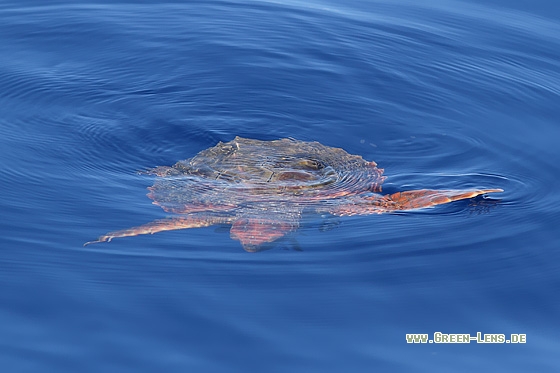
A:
(261, 189)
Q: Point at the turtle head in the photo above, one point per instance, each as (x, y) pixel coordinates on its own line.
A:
(255, 232)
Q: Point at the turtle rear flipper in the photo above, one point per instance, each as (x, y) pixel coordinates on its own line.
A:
(164, 225)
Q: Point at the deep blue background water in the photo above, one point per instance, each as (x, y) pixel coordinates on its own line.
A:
(442, 95)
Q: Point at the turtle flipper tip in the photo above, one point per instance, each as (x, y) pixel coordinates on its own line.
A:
(100, 239)
(485, 191)
(497, 190)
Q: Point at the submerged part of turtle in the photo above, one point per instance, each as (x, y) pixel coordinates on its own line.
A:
(261, 188)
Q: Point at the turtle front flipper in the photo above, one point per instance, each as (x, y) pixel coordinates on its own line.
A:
(401, 201)
(416, 199)
(254, 232)
(164, 225)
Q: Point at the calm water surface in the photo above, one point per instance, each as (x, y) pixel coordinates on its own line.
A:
(442, 95)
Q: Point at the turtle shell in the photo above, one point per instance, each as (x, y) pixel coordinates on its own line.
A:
(245, 172)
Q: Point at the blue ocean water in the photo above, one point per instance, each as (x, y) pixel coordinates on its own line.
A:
(442, 94)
